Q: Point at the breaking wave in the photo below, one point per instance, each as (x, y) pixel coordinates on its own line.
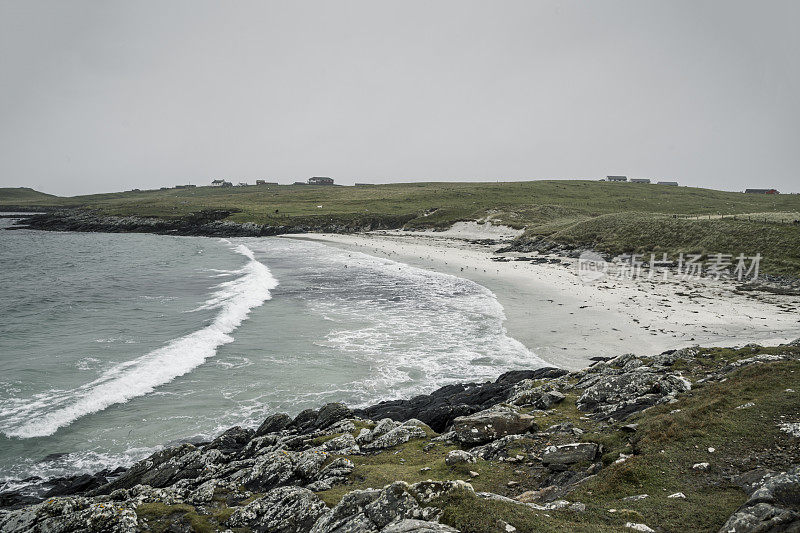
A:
(43, 414)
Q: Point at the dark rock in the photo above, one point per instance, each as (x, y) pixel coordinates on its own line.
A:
(273, 423)
(440, 408)
(75, 484)
(515, 376)
(16, 500)
(331, 413)
(305, 420)
(209, 223)
(232, 440)
(53, 457)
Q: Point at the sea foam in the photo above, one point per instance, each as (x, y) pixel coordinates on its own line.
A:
(44, 414)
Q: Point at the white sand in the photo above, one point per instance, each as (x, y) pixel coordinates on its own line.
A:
(566, 322)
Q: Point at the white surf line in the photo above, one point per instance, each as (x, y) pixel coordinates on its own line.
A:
(235, 299)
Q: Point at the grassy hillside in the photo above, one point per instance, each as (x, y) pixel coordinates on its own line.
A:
(515, 203)
(23, 195)
(615, 217)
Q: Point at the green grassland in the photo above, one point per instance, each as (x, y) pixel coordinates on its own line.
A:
(612, 217)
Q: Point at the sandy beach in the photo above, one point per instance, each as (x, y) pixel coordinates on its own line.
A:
(565, 321)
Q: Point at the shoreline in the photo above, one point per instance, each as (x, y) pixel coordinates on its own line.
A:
(566, 322)
(548, 309)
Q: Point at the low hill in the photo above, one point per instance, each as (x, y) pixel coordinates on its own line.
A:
(611, 217)
(428, 204)
(23, 195)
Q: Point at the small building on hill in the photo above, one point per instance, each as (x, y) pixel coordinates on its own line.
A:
(672, 183)
(320, 180)
(640, 180)
(616, 178)
(221, 183)
(761, 191)
(264, 182)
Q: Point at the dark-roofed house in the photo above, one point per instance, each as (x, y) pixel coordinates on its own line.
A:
(640, 180)
(761, 191)
(320, 180)
(616, 178)
(672, 183)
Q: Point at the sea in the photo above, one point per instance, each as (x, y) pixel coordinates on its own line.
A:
(113, 346)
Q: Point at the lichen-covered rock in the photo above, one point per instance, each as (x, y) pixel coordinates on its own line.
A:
(308, 464)
(417, 526)
(333, 473)
(271, 470)
(774, 505)
(497, 449)
(388, 434)
(427, 491)
(527, 393)
(459, 457)
(619, 396)
(71, 514)
(166, 467)
(567, 454)
(491, 424)
(394, 501)
(344, 444)
(281, 510)
(371, 511)
(348, 515)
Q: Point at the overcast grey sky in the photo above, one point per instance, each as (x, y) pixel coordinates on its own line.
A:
(107, 95)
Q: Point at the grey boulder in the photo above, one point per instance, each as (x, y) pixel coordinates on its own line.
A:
(417, 526)
(281, 510)
(491, 424)
(774, 505)
(567, 454)
(458, 457)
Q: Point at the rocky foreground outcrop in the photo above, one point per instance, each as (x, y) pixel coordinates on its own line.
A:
(512, 443)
